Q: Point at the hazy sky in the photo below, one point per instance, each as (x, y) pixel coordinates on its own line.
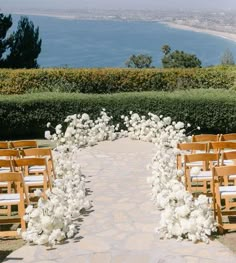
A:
(120, 4)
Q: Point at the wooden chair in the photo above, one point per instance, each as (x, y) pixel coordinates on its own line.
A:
(6, 166)
(189, 148)
(9, 199)
(41, 152)
(4, 145)
(201, 182)
(36, 172)
(228, 137)
(205, 138)
(229, 158)
(223, 191)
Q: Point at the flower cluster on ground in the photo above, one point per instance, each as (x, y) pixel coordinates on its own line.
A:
(54, 219)
(182, 216)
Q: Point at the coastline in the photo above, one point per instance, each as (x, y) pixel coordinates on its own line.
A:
(225, 35)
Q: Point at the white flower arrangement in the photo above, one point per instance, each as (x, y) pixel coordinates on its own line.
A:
(54, 219)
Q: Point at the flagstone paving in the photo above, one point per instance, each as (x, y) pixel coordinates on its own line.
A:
(120, 226)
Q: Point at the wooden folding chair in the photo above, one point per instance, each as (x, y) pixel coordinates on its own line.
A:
(205, 138)
(201, 182)
(8, 199)
(228, 137)
(6, 166)
(41, 152)
(36, 172)
(223, 191)
(189, 148)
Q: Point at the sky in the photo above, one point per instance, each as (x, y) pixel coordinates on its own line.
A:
(119, 4)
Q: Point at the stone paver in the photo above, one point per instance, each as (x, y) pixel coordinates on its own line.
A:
(120, 226)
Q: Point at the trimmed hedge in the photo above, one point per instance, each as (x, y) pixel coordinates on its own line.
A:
(113, 80)
(25, 116)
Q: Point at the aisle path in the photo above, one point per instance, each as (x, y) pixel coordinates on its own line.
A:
(120, 227)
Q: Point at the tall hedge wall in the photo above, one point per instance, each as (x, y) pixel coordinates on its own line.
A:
(113, 80)
(25, 116)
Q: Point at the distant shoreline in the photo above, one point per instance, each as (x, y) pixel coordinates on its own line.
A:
(225, 35)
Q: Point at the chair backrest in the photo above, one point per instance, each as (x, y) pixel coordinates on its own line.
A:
(221, 174)
(207, 159)
(10, 153)
(228, 156)
(4, 145)
(22, 144)
(37, 152)
(193, 146)
(6, 163)
(30, 162)
(221, 146)
(228, 137)
(205, 138)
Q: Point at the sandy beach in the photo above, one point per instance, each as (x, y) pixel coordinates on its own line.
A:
(224, 35)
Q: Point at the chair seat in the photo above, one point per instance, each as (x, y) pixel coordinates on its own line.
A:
(36, 169)
(5, 169)
(198, 163)
(37, 179)
(233, 176)
(227, 190)
(9, 198)
(3, 184)
(203, 175)
(229, 162)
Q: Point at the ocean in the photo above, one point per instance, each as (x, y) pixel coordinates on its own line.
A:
(79, 43)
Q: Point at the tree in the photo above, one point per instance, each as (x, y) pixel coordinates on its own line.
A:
(179, 59)
(227, 58)
(25, 46)
(5, 24)
(166, 49)
(139, 61)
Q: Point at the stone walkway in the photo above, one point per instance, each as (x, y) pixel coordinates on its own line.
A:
(120, 226)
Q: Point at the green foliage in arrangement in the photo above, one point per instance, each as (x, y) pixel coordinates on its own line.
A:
(114, 80)
(25, 116)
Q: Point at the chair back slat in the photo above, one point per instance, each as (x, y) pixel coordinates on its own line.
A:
(228, 137)
(21, 144)
(4, 145)
(193, 146)
(205, 138)
(29, 161)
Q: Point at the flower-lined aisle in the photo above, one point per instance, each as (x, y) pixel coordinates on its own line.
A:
(55, 217)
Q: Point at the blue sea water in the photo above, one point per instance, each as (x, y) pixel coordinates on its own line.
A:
(78, 43)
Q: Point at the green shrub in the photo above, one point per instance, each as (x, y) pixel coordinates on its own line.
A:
(25, 116)
(113, 80)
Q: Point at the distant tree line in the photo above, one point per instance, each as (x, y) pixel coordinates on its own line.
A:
(21, 48)
(174, 59)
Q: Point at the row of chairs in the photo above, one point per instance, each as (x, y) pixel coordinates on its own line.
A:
(210, 168)
(22, 170)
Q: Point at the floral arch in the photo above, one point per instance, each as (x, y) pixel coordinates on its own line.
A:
(182, 217)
